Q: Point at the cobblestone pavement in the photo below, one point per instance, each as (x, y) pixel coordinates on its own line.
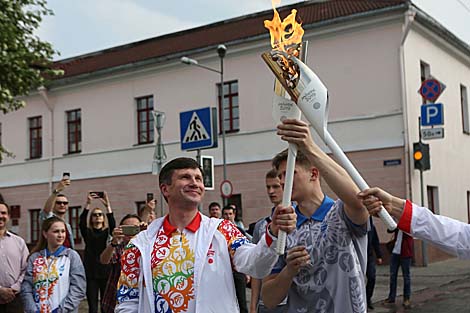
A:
(437, 288)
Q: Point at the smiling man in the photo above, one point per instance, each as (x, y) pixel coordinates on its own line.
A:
(13, 256)
(185, 258)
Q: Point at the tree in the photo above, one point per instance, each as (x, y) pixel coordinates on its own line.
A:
(25, 60)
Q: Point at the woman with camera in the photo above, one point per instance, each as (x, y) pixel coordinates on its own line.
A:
(129, 225)
(96, 227)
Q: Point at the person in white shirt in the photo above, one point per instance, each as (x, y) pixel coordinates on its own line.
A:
(448, 234)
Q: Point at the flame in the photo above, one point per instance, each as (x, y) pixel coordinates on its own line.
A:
(284, 34)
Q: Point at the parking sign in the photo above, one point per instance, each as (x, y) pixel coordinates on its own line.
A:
(432, 114)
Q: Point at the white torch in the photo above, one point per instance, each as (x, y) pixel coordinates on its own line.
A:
(311, 96)
(284, 108)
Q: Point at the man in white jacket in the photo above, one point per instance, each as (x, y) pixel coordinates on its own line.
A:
(183, 262)
(446, 233)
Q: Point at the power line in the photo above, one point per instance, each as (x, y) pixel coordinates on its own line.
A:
(466, 6)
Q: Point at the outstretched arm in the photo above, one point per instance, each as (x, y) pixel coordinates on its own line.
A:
(50, 202)
(446, 233)
(298, 132)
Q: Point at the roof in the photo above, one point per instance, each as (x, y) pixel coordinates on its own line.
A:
(173, 45)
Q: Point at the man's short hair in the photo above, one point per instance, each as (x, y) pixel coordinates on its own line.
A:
(176, 164)
(228, 207)
(60, 195)
(128, 216)
(273, 173)
(214, 204)
(301, 159)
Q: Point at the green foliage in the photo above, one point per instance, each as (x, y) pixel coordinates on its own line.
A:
(24, 59)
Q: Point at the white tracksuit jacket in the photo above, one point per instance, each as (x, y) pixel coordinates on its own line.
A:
(213, 286)
(444, 232)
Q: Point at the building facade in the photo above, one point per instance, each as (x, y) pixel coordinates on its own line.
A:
(96, 121)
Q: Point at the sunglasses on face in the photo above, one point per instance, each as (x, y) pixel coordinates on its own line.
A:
(61, 202)
(97, 214)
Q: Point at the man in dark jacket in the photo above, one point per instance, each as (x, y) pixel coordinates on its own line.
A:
(374, 256)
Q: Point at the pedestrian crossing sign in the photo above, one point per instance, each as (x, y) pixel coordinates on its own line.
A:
(198, 129)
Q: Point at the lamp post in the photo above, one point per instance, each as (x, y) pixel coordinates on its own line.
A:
(159, 155)
(221, 51)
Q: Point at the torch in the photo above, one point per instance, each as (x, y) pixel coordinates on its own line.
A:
(284, 108)
(311, 96)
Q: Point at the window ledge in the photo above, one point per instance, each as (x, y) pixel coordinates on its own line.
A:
(143, 144)
(71, 153)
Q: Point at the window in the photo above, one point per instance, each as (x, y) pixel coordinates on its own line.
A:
(425, 71)
(74, 219)
(433, 199)
(74, 131)
(34, 226)
(35, 137)
(228, 111)
(465, 110)
(145, 120)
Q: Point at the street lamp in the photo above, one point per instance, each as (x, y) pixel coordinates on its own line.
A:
(159, 156)
(221, 51)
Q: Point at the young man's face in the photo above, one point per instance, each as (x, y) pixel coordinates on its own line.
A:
(229, 214)
(274, 190)
(215, 211)
(301, 187)
(61, 205)
(4, 216)
(186, 187)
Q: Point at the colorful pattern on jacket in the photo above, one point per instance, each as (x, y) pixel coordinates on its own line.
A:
(172, 266)
(45, 279)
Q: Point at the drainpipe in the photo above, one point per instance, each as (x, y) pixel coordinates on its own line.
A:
(43, 93)
(409, 19)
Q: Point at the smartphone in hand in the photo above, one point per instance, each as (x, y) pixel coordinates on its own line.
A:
(149, 197)
(130, 230)
(98, 194)
(65, 175)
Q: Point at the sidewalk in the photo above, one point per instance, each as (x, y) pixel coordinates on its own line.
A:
(432, 276)
(422, 278)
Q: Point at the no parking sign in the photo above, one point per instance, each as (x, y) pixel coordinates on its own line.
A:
(431, 89)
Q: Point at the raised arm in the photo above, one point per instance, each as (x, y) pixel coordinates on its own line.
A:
(148, 211)
(50, 202)
(108, 253)
(109, 213)
(298, 132)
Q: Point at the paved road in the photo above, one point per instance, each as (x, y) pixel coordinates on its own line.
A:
(440, 287)
(452, 297)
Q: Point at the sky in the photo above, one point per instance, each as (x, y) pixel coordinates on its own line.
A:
(83, 26)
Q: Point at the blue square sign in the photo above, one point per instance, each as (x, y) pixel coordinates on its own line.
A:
(197, 129)
(432, 114)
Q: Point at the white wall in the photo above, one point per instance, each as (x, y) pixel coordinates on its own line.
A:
(450, 166)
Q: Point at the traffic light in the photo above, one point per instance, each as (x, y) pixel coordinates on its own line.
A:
(421, 156)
